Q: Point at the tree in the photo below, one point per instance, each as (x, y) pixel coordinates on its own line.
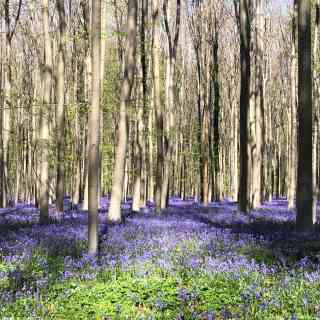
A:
(44, 125)
(216, 111)
(60, 106)
(94, 129)
(7, 101)
(245, 37)
(315, 151)
(292, 174)
(172, 44)
(305, 209)
(126, 88)
(257, 166)
(88, 91)
(156, 98)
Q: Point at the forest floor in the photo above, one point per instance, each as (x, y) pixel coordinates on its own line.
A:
(190, 262)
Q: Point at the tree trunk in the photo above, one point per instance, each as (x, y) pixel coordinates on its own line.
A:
(292, 115)
(216, 111)
(137, 186)
(60, 106)
(244, 101)
(305, 209)
(6, 111)
(126, 88)
(94, 130)
(145, 111)
(156, 98)
(44, 125)
(258, 126)
(172, 44)
(316, 102)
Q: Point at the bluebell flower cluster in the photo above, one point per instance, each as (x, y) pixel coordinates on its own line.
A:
(184, 238)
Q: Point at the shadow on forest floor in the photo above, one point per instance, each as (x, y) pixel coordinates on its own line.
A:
(273, 226)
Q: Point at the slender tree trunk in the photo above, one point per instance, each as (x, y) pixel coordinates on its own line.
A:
(126, 88)
(170, 120)
(145, 111)
(77, 178)
(199, 116)
(216, 112)
(44, 125)
(316, 102)
(257, 166)
(235, 159)
(150, 154)
(4, 66)
(205, 154)
(88, 90)
(137, 186)
(166, 138)
(305, 209)
(292, 123)
(6, 111)
(244, 101)
(94, 130)
(102, 76)
(156, 98)
(60, 106)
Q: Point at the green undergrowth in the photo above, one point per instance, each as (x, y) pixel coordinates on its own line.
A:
(159, 295)
(145, 290)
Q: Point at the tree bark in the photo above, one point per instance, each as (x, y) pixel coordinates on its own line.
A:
(156, 99)
(305, 209)
(244, 101)
(292, 117)
(126, 88)
(60, 106)
(170, 121)
(216, 112)
(258, 126)
(44, 125)
(94, 130)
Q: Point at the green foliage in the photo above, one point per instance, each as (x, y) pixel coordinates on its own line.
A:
(124, 294)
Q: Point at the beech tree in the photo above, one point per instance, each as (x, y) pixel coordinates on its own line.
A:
(60, 105)
(94, 129)
(126, 88)
(305, 209)
(245, 36)
(178, 114)
(172, 44)
(46, 74)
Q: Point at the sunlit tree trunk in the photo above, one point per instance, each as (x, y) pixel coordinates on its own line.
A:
(86, 5)
(172, 44)
(137, 186)
(205, 146)
(102, 76)
(44, 126)
(126, 88)
(94, 130)
(257, 174)
(292, 175)
(60, 106)
(8, 103)
(156, 99)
